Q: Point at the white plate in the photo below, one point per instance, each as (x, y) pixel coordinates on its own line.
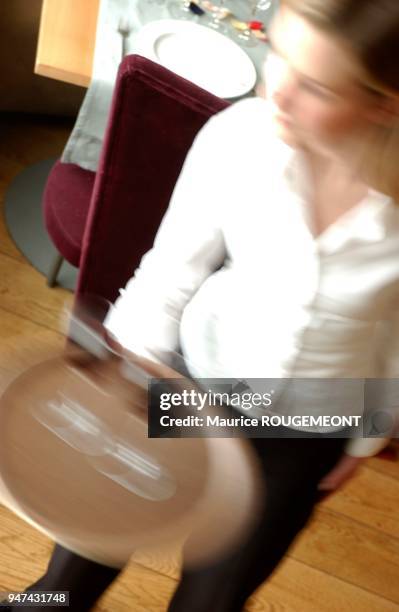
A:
(197, 53)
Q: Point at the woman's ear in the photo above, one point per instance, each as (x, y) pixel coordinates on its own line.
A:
(385, 109)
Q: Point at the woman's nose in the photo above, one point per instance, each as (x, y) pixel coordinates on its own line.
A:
(284, 93)
(280, 78)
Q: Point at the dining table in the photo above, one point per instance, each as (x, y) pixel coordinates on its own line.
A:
(66, 42)
(67, 36)
(227, 62)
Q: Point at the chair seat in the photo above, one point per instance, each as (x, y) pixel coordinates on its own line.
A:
(66, 202)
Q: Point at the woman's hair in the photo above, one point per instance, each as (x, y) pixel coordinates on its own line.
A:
(370, 28)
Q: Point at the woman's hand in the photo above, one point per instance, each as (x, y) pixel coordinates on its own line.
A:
(341, 472)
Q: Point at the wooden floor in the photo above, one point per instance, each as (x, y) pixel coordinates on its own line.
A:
(347, 559)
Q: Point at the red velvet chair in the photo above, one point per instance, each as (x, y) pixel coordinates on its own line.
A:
(104, 222)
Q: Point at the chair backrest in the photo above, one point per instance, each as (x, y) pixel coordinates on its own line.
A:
(153, 120)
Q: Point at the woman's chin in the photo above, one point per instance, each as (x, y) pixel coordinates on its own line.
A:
(285, 133)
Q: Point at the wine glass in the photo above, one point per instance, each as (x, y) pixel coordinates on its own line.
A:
(215, 22)
(259, 8)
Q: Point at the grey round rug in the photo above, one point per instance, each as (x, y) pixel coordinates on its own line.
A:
(24, 220)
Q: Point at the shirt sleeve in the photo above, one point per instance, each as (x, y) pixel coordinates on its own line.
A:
(187, 248)
(382, 416)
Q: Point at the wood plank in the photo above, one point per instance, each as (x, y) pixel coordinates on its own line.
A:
(137, 588)
(7, 245)
(293, 586)
(388, 468)
(352, 552)
(23, 291)
(24, 552)
(22, 344)
(334, 544)
(297, 587)
(147, 583)
(16, 153)
(66, 41)
(376, 494)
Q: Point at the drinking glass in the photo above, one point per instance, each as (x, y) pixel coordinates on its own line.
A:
(215, 21)
(259, 9)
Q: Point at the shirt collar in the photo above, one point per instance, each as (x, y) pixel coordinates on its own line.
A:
(365, 222)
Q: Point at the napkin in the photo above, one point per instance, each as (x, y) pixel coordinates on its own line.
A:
(84, 145)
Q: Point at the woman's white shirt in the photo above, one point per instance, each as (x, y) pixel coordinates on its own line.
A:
(236, 279)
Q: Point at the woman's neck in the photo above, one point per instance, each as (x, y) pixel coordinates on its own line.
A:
(339, 167)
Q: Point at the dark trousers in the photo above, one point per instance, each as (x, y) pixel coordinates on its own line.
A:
(292, 467)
